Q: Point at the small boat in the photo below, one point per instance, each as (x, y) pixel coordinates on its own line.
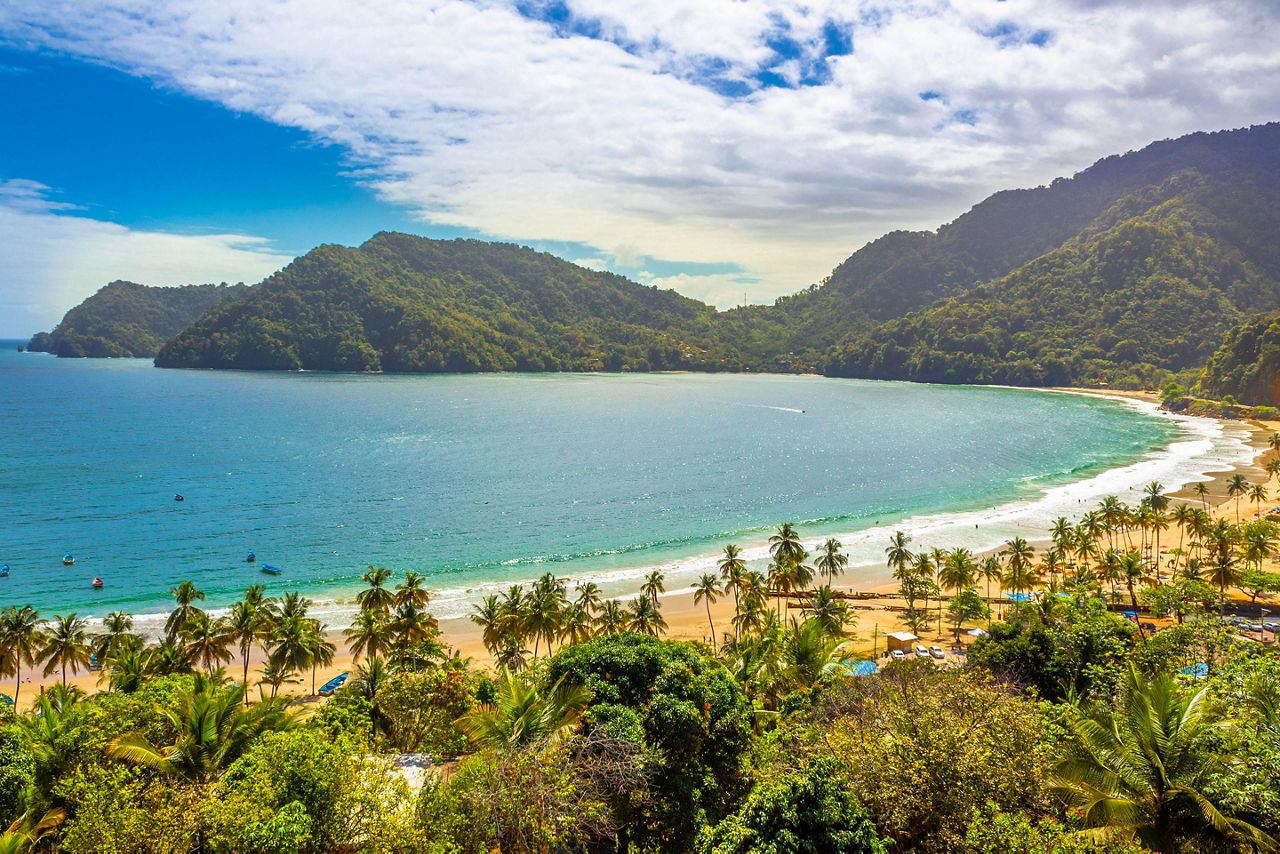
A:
(179, 497)
(67, 559)
(250, 557)
(271, 570)
(4, 571)
(97, 583)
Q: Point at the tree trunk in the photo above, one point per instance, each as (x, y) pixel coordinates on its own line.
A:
(710, 622)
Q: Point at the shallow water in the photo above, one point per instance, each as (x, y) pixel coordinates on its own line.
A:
(475, 481)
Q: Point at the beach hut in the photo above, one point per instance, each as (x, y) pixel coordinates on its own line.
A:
(977, 633)
(900, 640)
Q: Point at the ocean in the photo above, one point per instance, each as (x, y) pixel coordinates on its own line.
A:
(478, 481)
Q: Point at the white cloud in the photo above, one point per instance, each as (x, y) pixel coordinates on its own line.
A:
(53, 260)
(474, 115)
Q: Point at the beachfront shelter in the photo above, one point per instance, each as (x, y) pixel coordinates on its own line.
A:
(977, 633)
(900, 640)
(860, 668)
(1020, 597)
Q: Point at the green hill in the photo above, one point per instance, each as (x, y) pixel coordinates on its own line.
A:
(1247, 365)
(1149, 286)
(404, 303)
(125, 319)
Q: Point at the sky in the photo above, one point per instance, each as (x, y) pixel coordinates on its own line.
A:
(729, 149)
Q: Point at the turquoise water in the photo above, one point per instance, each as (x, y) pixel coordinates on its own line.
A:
(474, 480)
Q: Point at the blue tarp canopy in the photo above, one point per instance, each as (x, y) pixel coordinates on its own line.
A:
(1199, 671)
(861, 668)
(1020, 597)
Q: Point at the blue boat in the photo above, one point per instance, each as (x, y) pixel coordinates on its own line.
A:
(271, 570)
(4, 571)
(67, 559)
(250, 557)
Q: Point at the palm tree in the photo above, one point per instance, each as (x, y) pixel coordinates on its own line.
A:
(205, 640)
(589, 597)
(1272, 467)
(653, 585)
(376, 597)
(612, 618)
(1237, 487)
(67, 644)
(576, 624)
(1144, 769)
(645, 617)
(212, 732)
(1154, 496)
(411, 592)
(706, 590)
(22, 639)
(897, 556)
(320, 649)
(1133, 571)
(923, 568)
(291, 645)
(832, 561)
(116, 629)
(1258, 494)
(246, 625)
(732, 569)
(991, 570)
(490, 617)
(544, 611)
(522, 714)
(1202, 492)
(958, 571)
(1273, 442)
(1182, 516)
(784, 546)
(185, 594)
(515, 615)
(369, 635)
(410, 627)
(826, 609)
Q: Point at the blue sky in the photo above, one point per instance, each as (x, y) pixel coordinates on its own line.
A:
(720, 147)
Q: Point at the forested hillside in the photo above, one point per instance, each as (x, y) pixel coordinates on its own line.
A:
(128, 319)
(404, 303)
(1247, 366)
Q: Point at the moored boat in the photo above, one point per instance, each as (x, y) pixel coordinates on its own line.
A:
(67, 559)
(271, 570)
(179, 497)
(250, 557)
(97, 582)
(4, 571)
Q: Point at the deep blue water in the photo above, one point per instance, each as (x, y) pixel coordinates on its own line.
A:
(479, 479)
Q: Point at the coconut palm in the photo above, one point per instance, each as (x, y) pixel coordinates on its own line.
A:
(1258, 542)
(1134, 571)
(826, 609)
(991, 570)
(512, 657)
(116, 629)
(375, 596)
(644, 617)
(1182, 516)
(369, 635)
(832, 561)
(67, 644)
(1145, 769)
(523, 714)
(212, 728)
(277, 674)
(22, 639)
(247, 624)
(784, 546)
(186, 595)
(320, 650)
(206, 640)
(544, 611)
(612, 618)
(732, 570)
(515, 613)
(706, 590)
(411, 592)
(576, 624)
(1258, 494)
(410, 626)
(958, 571)
(1272, 467)
(490, 617)
(897, 556)
(589, 597)
(1237, 488)
(653, 585)
(1154, 497)
(291, 645)
(923, 568)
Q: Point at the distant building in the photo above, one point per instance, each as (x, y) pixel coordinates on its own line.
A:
(900, 640)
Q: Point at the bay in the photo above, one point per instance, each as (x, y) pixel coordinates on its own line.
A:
(480, 480)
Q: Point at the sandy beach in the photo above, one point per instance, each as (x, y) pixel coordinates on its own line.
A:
(870, 619)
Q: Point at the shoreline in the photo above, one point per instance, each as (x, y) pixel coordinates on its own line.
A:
(688, 621)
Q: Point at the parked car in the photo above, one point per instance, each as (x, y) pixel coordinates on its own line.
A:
(921, 652)
(1272, 627)
(936, 652)
(897, 653)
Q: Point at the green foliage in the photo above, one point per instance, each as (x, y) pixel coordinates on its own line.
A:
(920, 746)
(1072, 649)
(117, 810)
(422, 708)
(17, 770)
(126, 319)
(1247, 364)
(809, 813)
(993, 831)
(687, 714)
